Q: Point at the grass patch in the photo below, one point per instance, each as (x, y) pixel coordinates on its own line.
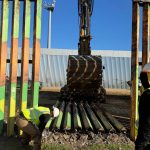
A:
(109, 147)
(55, 147)
(89, 147)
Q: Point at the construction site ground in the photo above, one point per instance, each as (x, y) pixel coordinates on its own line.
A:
(117, 103)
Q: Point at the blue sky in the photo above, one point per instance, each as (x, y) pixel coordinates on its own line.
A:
(110, 25)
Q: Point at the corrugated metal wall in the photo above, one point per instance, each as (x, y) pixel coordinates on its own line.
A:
(54, 64)
(53, 70)
(117, 72)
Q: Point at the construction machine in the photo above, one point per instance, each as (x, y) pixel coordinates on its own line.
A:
(85, 9)
(81, 98)
(84, 73)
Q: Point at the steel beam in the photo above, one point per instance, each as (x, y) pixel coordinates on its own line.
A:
(134, 70)
(67, 117)
(52, 120)
(36, 52)
(25, 55)
(76, 119)
(84, 118)
(13, 68)
(58, 120)
(93, 119)
(145, 34)
(3, 54)
(118, 126)
(106, 125)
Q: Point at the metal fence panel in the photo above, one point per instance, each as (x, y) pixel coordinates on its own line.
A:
(54, 64)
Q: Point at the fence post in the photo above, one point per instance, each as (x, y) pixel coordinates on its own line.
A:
(145, 35)
(25, 54)
(134, 70)
(3, 54)
(13, 67)
(36, 53)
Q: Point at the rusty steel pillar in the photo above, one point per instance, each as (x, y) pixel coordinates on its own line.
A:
(134, 69)
(13, 67)
(145, 32)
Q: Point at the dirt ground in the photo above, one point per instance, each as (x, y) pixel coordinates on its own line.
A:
(117, 103)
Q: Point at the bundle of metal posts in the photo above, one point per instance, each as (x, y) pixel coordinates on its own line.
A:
(76, 123)
(84, 117)
(84, 69)
(99, 114)
(15, 37)
(84, 79)
(134, 57)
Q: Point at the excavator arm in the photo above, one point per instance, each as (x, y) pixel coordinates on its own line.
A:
(85, 9)
(84, 72)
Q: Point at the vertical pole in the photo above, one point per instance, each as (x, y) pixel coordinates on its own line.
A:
(49, 40)
(25, 55)
(36, 52)
(145, 38)
(49, 29)
(3, 54)
(134, 70)
(13, 68)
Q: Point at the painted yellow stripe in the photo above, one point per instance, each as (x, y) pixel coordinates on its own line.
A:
(2, 105)
(12, 107)
(23, 105)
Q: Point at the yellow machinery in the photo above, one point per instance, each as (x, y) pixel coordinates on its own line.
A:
(84, 73)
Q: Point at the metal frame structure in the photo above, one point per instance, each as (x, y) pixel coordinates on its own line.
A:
(145, 4)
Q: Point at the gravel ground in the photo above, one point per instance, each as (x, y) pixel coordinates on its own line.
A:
(118, 104)
(78, 140)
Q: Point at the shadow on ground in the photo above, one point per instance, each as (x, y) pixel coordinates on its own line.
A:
(12, 143)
